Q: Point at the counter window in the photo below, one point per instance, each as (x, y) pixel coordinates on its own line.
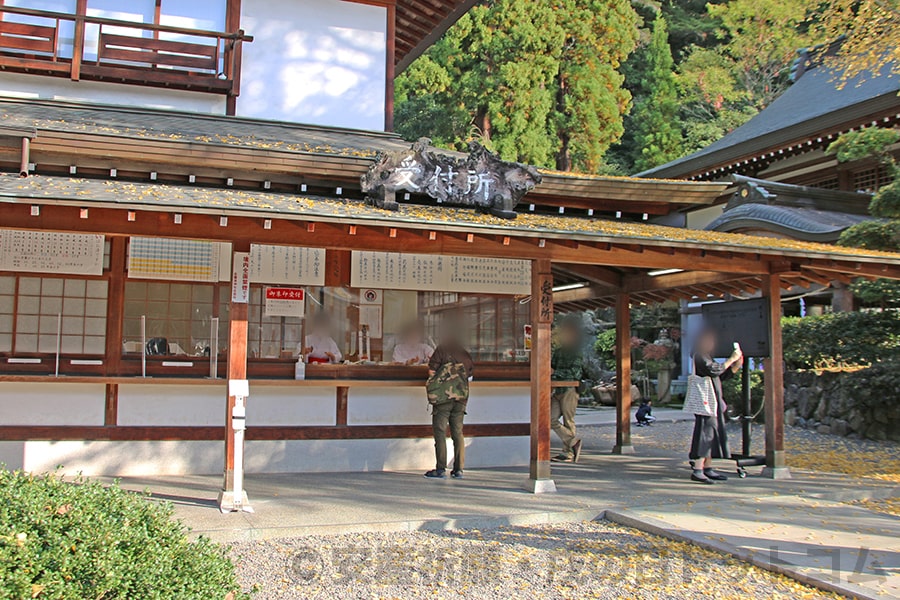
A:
(45, 303)
(181, 313)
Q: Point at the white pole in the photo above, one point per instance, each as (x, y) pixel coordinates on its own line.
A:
(238, 421)
(214, 348)
(143, 345)
(58, 339)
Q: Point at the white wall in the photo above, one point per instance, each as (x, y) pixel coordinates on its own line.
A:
(76, 404)
(143, 459)
(315, 61)
(56, 88)
(160, 404)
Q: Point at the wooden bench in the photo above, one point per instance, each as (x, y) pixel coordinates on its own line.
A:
(27, 38)
(152, 53)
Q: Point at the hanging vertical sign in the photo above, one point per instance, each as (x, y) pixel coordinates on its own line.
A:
(285, 302)
(240, 278)
(545, 298)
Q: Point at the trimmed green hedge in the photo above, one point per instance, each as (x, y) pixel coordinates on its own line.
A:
(74, 540)
(853, 338)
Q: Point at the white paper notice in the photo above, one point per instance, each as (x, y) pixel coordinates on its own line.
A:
(427, 272)
(287, 265)
(51, 252)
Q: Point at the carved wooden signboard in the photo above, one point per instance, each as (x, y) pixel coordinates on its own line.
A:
(480, 180)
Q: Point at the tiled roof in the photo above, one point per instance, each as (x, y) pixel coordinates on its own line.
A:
(811, 105)
(76, 191)
(193, 127)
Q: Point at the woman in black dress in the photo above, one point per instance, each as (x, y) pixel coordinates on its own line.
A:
(709, 440)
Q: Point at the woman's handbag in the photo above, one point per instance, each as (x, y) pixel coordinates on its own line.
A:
(700, 398)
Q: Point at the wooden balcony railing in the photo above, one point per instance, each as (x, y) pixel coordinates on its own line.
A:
(99, 49)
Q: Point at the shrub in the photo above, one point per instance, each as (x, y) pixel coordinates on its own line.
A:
(858, 338)
(74, 540)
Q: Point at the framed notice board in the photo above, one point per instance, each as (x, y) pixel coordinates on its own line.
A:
(743, 321)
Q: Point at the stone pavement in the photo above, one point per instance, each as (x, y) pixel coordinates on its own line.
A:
(800, 527)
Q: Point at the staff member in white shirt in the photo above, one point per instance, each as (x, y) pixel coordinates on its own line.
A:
(410, 348)
(319, 346)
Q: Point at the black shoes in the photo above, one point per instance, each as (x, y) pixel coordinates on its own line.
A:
(435, 474)
(714, 475)
(699, 477)
(456, 474)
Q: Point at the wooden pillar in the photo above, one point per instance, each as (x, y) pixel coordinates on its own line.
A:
(115, 305)
(623, 375)
(233, 55)
(78, 42)
(111, 407)
(237, 347)
(776, 467)
(389, 71)
(541, 323)
(342, 396)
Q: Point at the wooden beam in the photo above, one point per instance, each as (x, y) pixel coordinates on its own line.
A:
(857, 269)
(646, 283)
(623, 375)
(776, 466)
(19, 433)
(580, 294)
(542, 320)
(592, 273)
(331, 234)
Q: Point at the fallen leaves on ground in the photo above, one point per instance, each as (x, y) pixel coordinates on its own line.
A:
(574, 560)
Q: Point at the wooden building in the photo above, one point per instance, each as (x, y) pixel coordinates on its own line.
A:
(137, 224)
(154, 251)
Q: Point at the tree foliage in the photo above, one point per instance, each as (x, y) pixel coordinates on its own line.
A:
(874, 142)
(535, 81)
(872, 30)
(658, 135)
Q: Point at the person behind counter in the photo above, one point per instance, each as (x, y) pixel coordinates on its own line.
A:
(319, 346)
(411, 348)
(449, 350)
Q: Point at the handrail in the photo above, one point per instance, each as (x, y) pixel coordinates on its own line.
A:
(240, 35)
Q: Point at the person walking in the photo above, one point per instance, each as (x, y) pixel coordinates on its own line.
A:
(567, 364)
(709, 439)
(452, 364)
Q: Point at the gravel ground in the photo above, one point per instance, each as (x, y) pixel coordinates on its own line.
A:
(575, 560)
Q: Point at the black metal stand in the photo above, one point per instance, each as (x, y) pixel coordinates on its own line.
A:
(745, 459)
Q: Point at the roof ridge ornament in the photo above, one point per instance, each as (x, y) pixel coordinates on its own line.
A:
(480, 180)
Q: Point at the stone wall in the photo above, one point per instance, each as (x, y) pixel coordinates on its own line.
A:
(862, 403)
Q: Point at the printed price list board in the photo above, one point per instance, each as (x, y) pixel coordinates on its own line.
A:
(426, 272)
(180, 260)
(51, 252)
(287, 265)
